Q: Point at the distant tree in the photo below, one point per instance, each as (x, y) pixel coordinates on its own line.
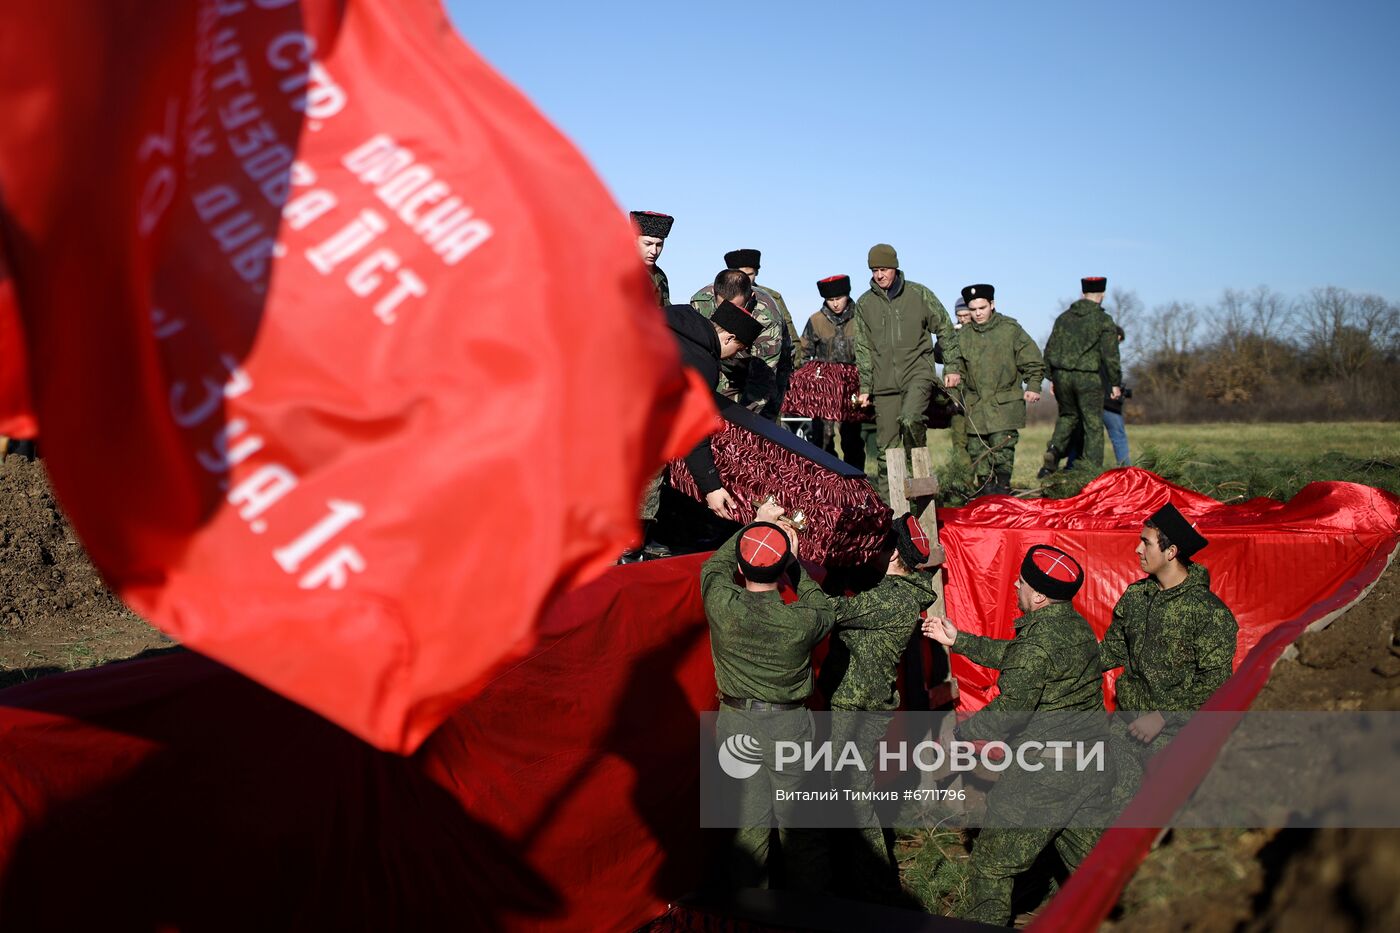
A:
(1341, 332)
(1126, 308)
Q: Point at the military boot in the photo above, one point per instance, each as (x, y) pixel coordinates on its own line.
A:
(1051, 461)
(1001, 484)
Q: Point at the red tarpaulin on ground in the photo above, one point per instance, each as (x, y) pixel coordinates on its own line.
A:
(300, 284)
(563, 796)
(1269, 560)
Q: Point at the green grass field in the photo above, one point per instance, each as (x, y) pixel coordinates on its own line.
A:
(1227, 461)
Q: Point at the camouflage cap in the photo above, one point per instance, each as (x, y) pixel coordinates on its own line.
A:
(764, 550)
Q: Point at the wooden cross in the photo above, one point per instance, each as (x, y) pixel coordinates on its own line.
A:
(913, 489)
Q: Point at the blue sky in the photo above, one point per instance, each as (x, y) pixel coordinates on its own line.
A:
(1178, 148)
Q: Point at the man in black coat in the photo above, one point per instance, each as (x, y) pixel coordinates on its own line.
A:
(703, 343)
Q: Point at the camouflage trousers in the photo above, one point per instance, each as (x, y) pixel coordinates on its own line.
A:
(1130, 757)
(651, 497)
(992, 454)
(960, 461)
(1013, 840)
(862, 861)
(1080, 400)
(804, 851)
(901, 420)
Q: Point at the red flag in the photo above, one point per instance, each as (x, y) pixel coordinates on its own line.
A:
(345, 360)
(16, 413)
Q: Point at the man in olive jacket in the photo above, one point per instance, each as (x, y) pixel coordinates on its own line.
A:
(762, 651)
(1174, 639)
(1050, 666)
(1083, 341)
(896, 321)
(1001, 370)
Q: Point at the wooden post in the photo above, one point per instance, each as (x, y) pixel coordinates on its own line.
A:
(899, 475)
(920, 492)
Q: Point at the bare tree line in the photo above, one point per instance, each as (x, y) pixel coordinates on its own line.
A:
(1261, 355)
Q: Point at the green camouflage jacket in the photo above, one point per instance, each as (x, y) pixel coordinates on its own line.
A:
(998, 362)
(1084, 339)
(797, 349)
(1176, 646)
(872, 630)
(1051, 664)
(662, 286)
(894, 336)
(761, 647)
(763, 371)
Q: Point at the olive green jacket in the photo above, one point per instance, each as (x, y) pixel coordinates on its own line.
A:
(999, 363)
(894, 336)
(1084, 340)
(762, 648)
(1176, 646)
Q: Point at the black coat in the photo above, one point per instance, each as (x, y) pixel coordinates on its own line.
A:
(699, 346)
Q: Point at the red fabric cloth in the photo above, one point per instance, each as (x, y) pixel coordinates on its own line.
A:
(822, 389)
(1268, 560)
(304, 280)
(16, 412)
(562, 796)
(846, 521)
(1091, 892)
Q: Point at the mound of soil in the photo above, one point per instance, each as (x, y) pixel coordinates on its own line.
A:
(56, 613)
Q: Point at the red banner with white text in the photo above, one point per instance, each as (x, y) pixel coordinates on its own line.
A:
(345, 362)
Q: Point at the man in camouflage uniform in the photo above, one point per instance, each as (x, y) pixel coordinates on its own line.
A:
(757, 379)
(1083, 341)
(762, 651)
(1001, 371)
(873, 629)
(830, 336)
(960, 461)
(652, 230)
(895, 322)
(746, 261)
(1175, 641)
(1050, 666)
